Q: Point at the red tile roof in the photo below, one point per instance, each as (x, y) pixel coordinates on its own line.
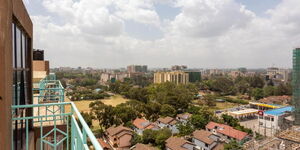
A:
(143, 147)
(203, 136)
(227, 130)
(167, 120)
(176, 143)
(143, 124)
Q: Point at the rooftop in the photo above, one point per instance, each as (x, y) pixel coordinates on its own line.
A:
(279, 111)
(227, 130)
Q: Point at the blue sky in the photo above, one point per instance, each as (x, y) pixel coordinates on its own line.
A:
(161, 33)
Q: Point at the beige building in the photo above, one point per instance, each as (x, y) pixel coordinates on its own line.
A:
(174, 76)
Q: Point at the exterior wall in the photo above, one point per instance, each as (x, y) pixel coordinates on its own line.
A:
(173, 128)
(138, 131)
(40, 66)
(188, 146)
(175, 77)
(268, 123)
(9, 10)
(201, 145)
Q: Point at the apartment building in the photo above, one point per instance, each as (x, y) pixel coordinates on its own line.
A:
(178, 77)
(137, 68)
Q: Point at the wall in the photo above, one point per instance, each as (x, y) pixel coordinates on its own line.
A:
(9, 9)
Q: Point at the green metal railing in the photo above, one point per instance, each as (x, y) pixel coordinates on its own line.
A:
(79, 137)
(50, 90)
(49, 112)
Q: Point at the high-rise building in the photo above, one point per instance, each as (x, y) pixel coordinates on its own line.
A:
(30, 121)
(137, 68)
(178, 67)
(296, 85)
(178, 77)
(194, 76)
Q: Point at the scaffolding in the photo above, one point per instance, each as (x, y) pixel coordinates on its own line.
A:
(296, 85)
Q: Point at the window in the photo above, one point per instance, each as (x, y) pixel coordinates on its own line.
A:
(272, 119)
(21, 70)
(206, 145)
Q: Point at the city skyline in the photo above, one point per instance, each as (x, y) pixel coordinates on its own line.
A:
(219, 34)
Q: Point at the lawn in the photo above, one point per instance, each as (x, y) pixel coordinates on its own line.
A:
(224, 105)
(84, 104)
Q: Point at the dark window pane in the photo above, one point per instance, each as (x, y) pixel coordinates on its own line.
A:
(23, 50)
(18, 48)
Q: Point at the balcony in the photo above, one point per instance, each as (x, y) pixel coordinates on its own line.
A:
(47, 122)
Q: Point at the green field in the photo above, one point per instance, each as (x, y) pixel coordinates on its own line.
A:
(84, 104)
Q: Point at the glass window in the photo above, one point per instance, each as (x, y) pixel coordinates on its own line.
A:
(18, 48)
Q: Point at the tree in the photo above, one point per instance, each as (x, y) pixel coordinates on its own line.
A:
(232, 145)
(224, 85)
(149, 136)
(185, 129)
(242, 86)
(135, 139)
(210, 100)
(256, 81)
(269, 91)
(198, 121)
(88, 117)
(167, 110)
(230, 120)
(124, 113)
(283, 89)
(152, 110)
(162, 136)
(103, 113)
(257, 93)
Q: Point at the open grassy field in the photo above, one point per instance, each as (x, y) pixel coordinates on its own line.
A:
(224, 105)
(84, 104)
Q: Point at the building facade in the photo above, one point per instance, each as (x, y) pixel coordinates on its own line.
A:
(16, 69)
(177, 77)
(137, 68)
(296, 84)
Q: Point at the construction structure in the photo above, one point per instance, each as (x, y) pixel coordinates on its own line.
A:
(296, 85)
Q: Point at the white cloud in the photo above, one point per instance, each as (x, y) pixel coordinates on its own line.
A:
(206, 33)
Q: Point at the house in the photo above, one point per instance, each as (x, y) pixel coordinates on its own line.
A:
(176, 143)
(183, 117)
(104, 145)
(205, 140)
(143, 147)
(141, 124)
(168, 122)
(119, 137)
(226, 132)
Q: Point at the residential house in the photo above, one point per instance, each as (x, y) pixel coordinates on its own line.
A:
(119, 137)
(225, 132)
(205, 140)
(183, 117)
(168, 122)
(143, 147)
(176, 143)
(141, 124)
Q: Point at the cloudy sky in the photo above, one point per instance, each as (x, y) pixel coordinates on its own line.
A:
(161, 33)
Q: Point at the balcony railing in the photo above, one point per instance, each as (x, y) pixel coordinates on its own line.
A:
(76, 136)
(59, 123)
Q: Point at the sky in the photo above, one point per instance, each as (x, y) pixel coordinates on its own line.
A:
(162, 33)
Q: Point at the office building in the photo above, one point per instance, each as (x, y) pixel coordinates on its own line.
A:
(178, 67)
(30, 121)
(177, 77)
(194, 76)
(137, 68)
